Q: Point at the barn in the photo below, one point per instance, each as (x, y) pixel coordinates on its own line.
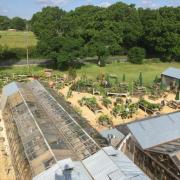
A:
(171, 77)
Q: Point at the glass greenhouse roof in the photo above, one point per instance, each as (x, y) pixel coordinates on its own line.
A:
(47, 131)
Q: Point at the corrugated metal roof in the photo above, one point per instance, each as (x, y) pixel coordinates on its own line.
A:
(103, 165)
(56, 173)
(125, 165)
(172, 72)
(157, 130)
(100, 166)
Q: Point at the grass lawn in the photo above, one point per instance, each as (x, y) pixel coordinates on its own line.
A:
(36, 70)
(131, 71)
(17, 39)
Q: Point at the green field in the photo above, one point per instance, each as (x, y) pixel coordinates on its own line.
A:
(17, 39)
(131, 71)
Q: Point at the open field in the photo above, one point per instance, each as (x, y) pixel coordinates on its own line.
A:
(131, 71)
(17, 39)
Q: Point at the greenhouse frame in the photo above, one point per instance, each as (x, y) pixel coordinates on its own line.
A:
(40, 131)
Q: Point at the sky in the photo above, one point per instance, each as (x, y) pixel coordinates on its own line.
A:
(26, 8)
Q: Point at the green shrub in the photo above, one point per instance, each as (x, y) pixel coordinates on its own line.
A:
(124, 78)
(106, 102)
(177, 96)
(149, 105)
(104, 120)
(124, 110)
(157, 79)
(72, 73)
(140, 79)
(69, 94)
(82, 85)
(90, 102)
(136, 55)
(17, 53)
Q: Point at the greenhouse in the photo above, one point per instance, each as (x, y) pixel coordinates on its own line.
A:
(40, 131)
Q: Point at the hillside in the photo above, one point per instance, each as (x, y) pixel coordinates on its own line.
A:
(17, 39)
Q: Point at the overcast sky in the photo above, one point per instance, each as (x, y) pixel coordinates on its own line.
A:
(26, 8)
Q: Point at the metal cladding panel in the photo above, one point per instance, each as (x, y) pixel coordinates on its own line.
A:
(56, 173)
(172, 72)
(110, 151)
(126, 166)
(109, 163)
(157, 130)
(101, 166)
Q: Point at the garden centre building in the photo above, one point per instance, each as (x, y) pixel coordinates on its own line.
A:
(47, 140)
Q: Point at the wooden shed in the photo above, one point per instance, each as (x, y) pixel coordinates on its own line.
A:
(171, 77)
(154, 145)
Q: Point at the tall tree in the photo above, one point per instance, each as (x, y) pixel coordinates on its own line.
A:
(18, 23)
(136, 55)
(4, 23)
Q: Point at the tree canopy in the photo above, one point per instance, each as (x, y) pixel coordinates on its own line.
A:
(97, 31)
(14, 23)
(18, 23)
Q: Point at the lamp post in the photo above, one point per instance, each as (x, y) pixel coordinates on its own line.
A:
(27, 50)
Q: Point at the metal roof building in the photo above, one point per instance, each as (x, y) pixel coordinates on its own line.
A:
(172, 72)
(159, 134)
(171, 78)
(156, 130)
(154, 144)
